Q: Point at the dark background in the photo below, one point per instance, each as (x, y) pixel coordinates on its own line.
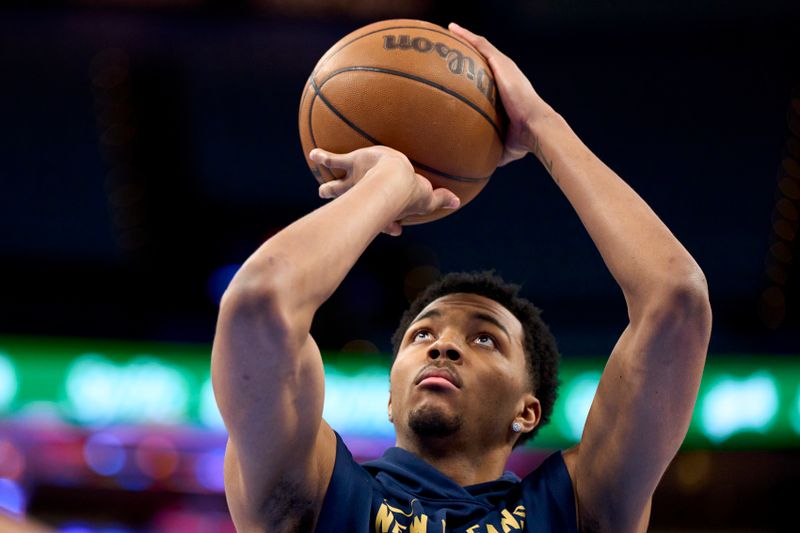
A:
(146, 145)
(142, 149)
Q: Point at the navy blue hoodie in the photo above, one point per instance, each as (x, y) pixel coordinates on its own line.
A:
(400, 492)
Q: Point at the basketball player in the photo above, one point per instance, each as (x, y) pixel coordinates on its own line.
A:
(474, 370)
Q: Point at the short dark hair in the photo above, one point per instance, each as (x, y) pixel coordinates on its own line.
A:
(541, 352)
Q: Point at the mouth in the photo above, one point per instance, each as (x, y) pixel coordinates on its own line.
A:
(438, 378)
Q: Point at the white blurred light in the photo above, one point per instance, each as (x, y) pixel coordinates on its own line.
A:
(736, 405)
(356, 404)
(8, 382)
(143, 390)
(579, 399)
(209, 412)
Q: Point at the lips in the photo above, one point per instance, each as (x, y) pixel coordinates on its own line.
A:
(438, 376)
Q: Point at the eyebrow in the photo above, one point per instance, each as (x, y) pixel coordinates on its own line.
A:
(423, 316)
(492, 320)
(475, 316)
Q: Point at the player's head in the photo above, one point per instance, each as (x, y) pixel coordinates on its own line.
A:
(499, 351)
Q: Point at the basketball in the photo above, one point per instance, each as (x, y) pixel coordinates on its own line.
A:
(415, 87)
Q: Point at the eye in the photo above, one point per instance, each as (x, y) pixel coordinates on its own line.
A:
(484, 339)
(422, 334)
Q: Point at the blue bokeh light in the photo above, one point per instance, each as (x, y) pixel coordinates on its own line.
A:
(104, 453)
(83, 528)
(12, 497)
(209, 470)
(219, 281)
(75, 528)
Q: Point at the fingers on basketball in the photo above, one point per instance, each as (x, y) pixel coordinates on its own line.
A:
(334, 188)
(478, 41)
(444, 199)
(330, 159)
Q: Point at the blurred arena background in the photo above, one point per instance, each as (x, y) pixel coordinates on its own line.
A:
(148, 146)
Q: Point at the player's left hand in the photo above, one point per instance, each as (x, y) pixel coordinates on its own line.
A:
(418, 196)
(521, 102)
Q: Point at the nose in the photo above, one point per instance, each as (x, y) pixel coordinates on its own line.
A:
(444, 348)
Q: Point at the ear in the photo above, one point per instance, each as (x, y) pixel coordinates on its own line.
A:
(391, 419)
(530, 413)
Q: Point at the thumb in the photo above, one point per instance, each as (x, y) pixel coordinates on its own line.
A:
(444, 199)
(394, 229)
(510, 155)
(330, 159)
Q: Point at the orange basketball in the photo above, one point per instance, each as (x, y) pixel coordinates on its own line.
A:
(415, 87)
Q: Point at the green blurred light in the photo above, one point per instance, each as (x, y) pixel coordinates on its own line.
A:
(578, 396)
(8, 382)
(358, 403)
(209, 413)
(143, 390)
(795, 412)
(745, 401)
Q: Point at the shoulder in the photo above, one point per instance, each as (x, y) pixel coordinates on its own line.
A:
(347, 473)
(295, 494)
(549, 494)
(555, 469)
(348, 499)
(589, 521)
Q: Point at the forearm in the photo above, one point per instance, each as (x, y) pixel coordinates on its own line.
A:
(303, 264)
(642, 254)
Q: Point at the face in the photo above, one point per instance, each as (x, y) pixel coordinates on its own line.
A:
(461, 370)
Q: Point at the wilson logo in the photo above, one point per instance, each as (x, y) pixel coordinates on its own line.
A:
(457, 62)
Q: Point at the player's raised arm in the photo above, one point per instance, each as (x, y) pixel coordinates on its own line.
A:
(266, 369)
(644, 402)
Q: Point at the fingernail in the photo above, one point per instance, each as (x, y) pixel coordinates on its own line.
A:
(455, 25)
(454, 203)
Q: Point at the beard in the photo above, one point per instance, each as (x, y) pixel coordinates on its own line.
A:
(429, 421)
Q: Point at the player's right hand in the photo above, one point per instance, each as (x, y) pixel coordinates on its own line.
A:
(418, 196)
(523, 105)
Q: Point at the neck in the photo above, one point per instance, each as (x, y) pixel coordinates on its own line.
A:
(464, 464)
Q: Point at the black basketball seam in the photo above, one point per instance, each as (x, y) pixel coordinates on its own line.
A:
(311, 132)
(421, 80)
(373, 140)
(450, 35)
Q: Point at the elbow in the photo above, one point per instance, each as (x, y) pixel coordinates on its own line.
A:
(258, 287)
(680, 284)
(245, 298)
(678, 309)
(249, 294)
(257, 304)
(687, 285)
(691, 297)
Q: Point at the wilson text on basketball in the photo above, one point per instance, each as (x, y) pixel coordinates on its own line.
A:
(457, 62)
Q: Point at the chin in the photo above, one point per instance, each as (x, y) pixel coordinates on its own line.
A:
(433, 421)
